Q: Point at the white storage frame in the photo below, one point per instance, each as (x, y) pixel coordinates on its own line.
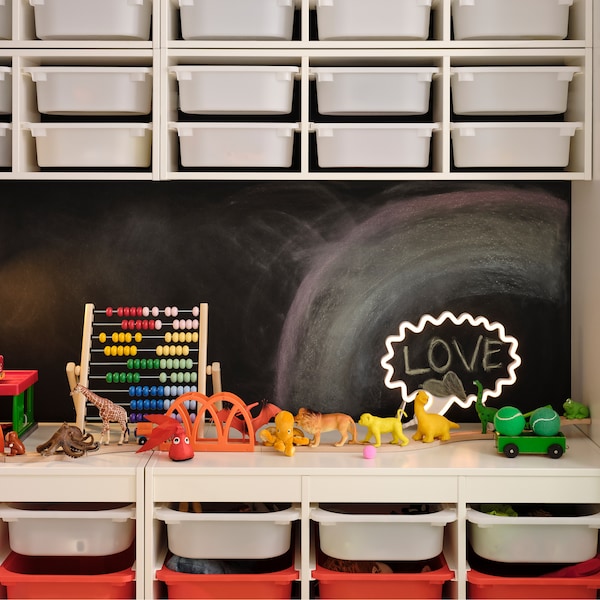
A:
(166, 48)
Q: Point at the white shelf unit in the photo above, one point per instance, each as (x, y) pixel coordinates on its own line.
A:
(166, 48)
(111, 477)
(456, 474)
(25, 50)
(305, 50)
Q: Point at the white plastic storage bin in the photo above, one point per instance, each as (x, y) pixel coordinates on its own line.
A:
(512, 144)
(381, 532)
(373, 145)
(5, 90)
(92, 19)
(229, 89)
(102, 145)
(510, 19)
(233, 144)
(373, 90)
(569, 537)
(230, 535)
(373, 19)
(5, 19)
(90, 90)
(67, 529)
(5, 145)
(537, 90)
(237, 19)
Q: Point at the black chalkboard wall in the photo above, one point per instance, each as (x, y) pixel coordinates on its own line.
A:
(304, 280)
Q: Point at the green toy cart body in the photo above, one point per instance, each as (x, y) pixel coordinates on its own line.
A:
(530, 443)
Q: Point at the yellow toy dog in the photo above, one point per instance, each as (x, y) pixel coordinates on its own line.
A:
(378, 425)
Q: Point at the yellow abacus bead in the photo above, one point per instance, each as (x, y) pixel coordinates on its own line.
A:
(114, 337)
(168, 337)
(106, 350)
(102, 337)
(186, 350)
(113, 350)
(195, 337)
(137, 337)
(133, 350)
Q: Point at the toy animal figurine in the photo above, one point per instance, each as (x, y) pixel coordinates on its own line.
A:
(430, 426)
(109, 413)
(14, 444)
(317, 423)
(266, 413)
(378, 425)
(169, 428)
(575, 410)
(485, 413)
(71, 440)
(284, 436)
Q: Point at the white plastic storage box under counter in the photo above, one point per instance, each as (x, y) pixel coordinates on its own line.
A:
(237, 19)
(538, 90)
(512, 144)
(228, 535)
(92, 19)
(5, 19)
(90, 90)
(5, 90)
(373, 145)
(235, 89)
(510, 19)
(233, 144)
(554, 534)
(386, 532)
(5, 145)
(373, 19)
(92, 145)
(373, 90)
(69, 529)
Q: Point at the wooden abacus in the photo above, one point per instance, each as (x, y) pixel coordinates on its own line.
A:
(142, 358)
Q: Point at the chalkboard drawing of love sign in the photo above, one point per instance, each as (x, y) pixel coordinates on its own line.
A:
(444, 355)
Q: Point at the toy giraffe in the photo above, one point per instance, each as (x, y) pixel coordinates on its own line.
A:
(109, 413)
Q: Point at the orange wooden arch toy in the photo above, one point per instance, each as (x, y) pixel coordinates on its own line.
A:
(223, 441)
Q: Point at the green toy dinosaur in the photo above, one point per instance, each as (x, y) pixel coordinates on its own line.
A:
(485, 413)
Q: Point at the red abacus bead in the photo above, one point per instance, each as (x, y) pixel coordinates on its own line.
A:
(124, 324)
(109, 311)
(138, 324)
(151, 324)
(120, 311)
(145, 324)
(126, 311)
(139, 311)
(131, 324)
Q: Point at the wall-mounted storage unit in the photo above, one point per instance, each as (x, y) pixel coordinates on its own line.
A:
(312, 43)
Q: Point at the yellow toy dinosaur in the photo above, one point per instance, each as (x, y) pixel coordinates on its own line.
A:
(284, 436)
(430, 425)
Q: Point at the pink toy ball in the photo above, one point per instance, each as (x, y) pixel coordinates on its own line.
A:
(369, 452)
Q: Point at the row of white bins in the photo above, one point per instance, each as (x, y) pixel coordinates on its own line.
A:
(261, 89)
(274, 19)
(271, 145)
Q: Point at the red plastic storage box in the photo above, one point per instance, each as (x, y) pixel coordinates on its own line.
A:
(417, 584)
(481, 585)
(272, 585)
(72, 577)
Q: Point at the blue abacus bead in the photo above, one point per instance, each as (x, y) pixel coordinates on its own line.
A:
(153, 390)
(166, 404)
(160, 391)
(186, 403)
(153, 404)
(167, 390)
(193, 417)
(193, 405)
(180, 390)
(133, 404)
(187, 389)
(146, 404)
(132, 390)
(146, 391)
(138, 390)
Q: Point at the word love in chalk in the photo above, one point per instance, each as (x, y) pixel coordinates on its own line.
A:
(442, 356)
(438, 350)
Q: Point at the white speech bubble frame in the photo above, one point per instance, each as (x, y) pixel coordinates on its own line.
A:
(406, 326)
